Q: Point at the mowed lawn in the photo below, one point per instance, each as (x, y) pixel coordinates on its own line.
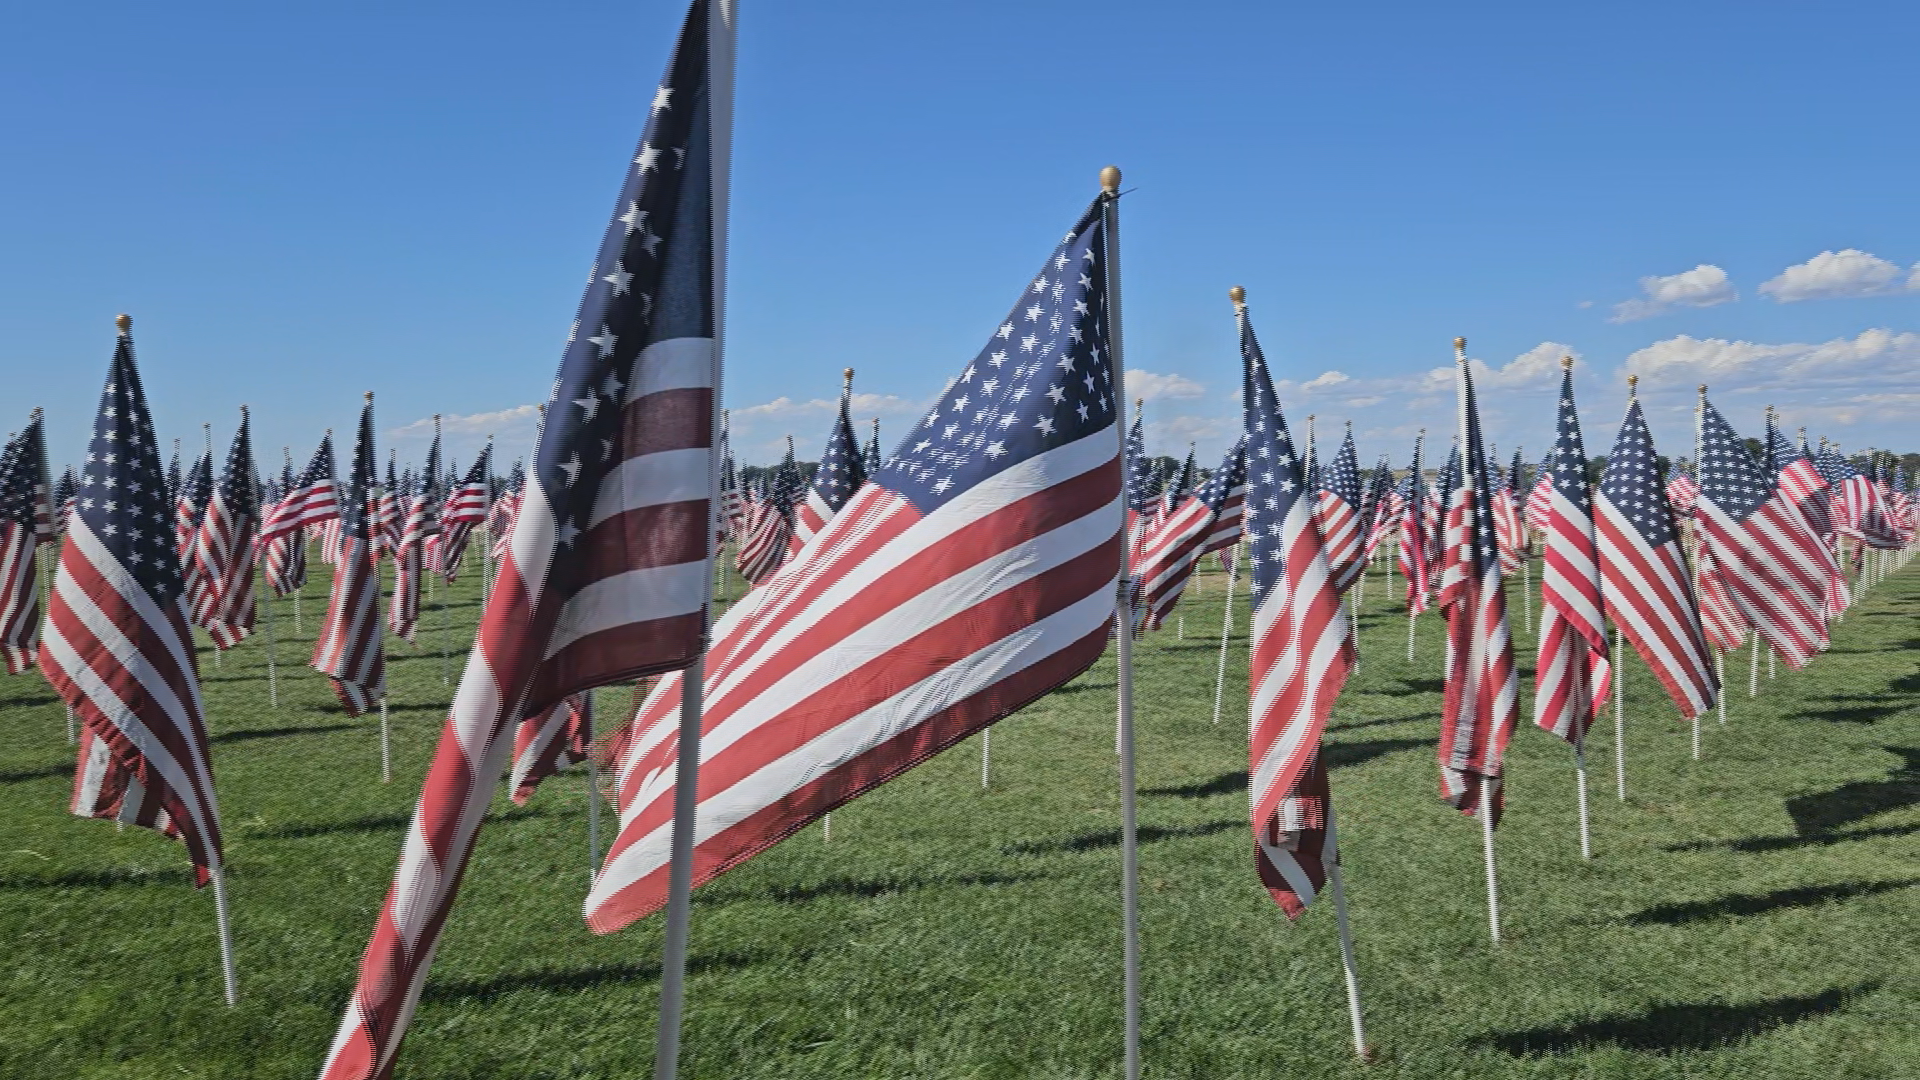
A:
(1751, 915)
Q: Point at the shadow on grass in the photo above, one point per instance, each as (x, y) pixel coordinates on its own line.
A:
(30, 702)
(1858, 714)
(1666, 1029)
(112, 877)
(1760, 903)
(1336, 755)
(574, 980)
(1081, 688)
(1384, 722)
(1755, 844)
(296, 830)
(864, 888)
(1110, 838)
(1424, 686)
(1817, 818)
(248, 734)
(36, 774)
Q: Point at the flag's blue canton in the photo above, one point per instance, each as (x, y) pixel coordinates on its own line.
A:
(1141, 486)
(872, 457)
(16, 485)
(1567, 461)
(1276, 478)
(841, 472)
(1728, 474)
(1379, 486)
(1044, 380)
(1780, 451)
(651, 282)
(321, 467)
(1632, 482)
(1832, 468)
(1343, 477)
(1414, 485)
(1182, 485)
(123, 494)
(353, 501)
(517, 479)
(199, 485)
(1513, 480)
(430, 479)
(173, 475)
(1231, 474)
(237, 479)
(788, 483)
(1486, 550)
(1449, 477)
(64, 489)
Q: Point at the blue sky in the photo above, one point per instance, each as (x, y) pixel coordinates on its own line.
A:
(298, 205)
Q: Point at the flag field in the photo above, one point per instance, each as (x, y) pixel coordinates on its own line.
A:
(1749, 915)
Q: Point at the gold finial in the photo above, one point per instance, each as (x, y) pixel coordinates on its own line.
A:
(369, 397)
(1238, 294)
(1139, 404)
(1309, 418)
(1460, 344)
(1110, 179)
(1566, 363)
(1703, 389)
(847, 374)
(124, 322)
(1633, 384)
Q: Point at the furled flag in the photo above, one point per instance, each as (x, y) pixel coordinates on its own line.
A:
(1376, 510)
(421, 506)
(505, 509)
(1482, 685)
(195, 490)
(1206, 522)
(1336, 512)
(1643, 574)
(841, 473)
(974, 573)
(608, 571)
(1720, 618)
(65, 492)
(1571, 676)
(1806, 489)
(224, 549)
(384, 516)
(349, 650)
(873, 460)
(117, 649)
(173, 475)
(1507, 526)
(1413, 535)
(284, 557)
(310, 498)
(1182, 486)
(33, 444)
(550, 743)
(20, 471)
(466, 508)
(1540, 496)
(768, 544)
(1143, 487)
(1761, 543)
(733, 505)
(1301, 651)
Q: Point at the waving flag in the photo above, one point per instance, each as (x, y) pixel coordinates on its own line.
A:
(550, 743)
(21, 470)
(1143, 486)
(224, 549)
(1761, 544)
(974, 573)
(1720, 619)
(841, 473)
(733, 504)
(1540, 496)
(465, 509)
(610, 563)
(768, 545)
(1414, 526)
(1336, 513)
(349, 650)
(195, 490)
(1682, 494)
(65, 494)
(505, 509)
(117, 649)
(1199, 526)
(1181, 487)
(1482, 685)
(1508, 529)
(1643, 574)
(1571, 676)
(1301, 652)
(310, 498)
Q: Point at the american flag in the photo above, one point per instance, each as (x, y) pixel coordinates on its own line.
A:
(733, 504)
(1643, 574)
(974, 573)
(873, 459)
(1482, 685)
(349, 650)
(117, 649)
(1540, 496)
(1181, 487)
(64, 492)
(1800, 481)
(1301, 651)
(1414, 526)
(1760, 541)
(285, 556)
(1507, 526)
(1336, 512)
(310, 499)
(21, 480)
(1682, 493)
(841, 473)
(549, 743)
(224, 549)
(1378, 516)
(608, 571)
(769, 542)
(505, 509)
(1720, 617)
(467, 506)
(1206, 522)
(420, 506)
(195, 490)
(1571, 676)
(1868, 518)
(1143, 486)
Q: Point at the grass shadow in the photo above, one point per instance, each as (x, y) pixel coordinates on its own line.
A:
(1666, 1029)
(1424, 686)
(1080, 688)
(1336, 755)
(1110, 838)
(36, 774)
(575, 980)
(1389, 721)
(1816, 814)
(1858, 714)
(864, 888)
(1755, 844)
(1738, 904)
(113, 877)
(35, 700)
(248, 734)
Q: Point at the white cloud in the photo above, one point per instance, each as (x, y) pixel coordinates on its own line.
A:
(1326, 380)
(517, 419)
(1703, 286)
(861, 404)
(1152, 387)
(1835, 274)
(1875, 367)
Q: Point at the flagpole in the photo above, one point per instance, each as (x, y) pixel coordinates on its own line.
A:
(194, 542)
(1469, 478)
(721, 32)
(1123, 637)
(446, 617)
(229, 979)
(1348, 967)
(593, 792)
(1619, 721)
(986, 756)
(1580, 794)
(1226, 628)
(1699, 418)
(386, 744)
(486, 520)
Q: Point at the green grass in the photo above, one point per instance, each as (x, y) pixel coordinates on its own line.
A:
(1751, 915)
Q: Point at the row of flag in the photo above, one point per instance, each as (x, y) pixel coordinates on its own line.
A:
(898, 605)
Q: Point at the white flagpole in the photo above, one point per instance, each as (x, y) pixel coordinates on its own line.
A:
(229, 979)
(386, 745)
(593, 794)
(1469, 478)
(986, 756)
(193, 544)
(1226, 628)
(1580, 794)
(1753, 667)
(1349, 968)
(486, 531)
(1619, 721)
(1410, 618)
(1123, 637)
(446, 617)
(1720, 675)
(1486, 836)
(721, 31)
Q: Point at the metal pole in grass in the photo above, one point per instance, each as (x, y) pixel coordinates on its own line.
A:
(593, 791)
(1753, 667)
(1226, 628)
(1347, 964)
(1720, 676)
(1580, 793)
(1619, 720)
(1486, 837)
(486, 532)
(229, 979)
(386, 745)
(686, 799)
(986, 756)
(1123, 637)
(193, 541)
(446, 617)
